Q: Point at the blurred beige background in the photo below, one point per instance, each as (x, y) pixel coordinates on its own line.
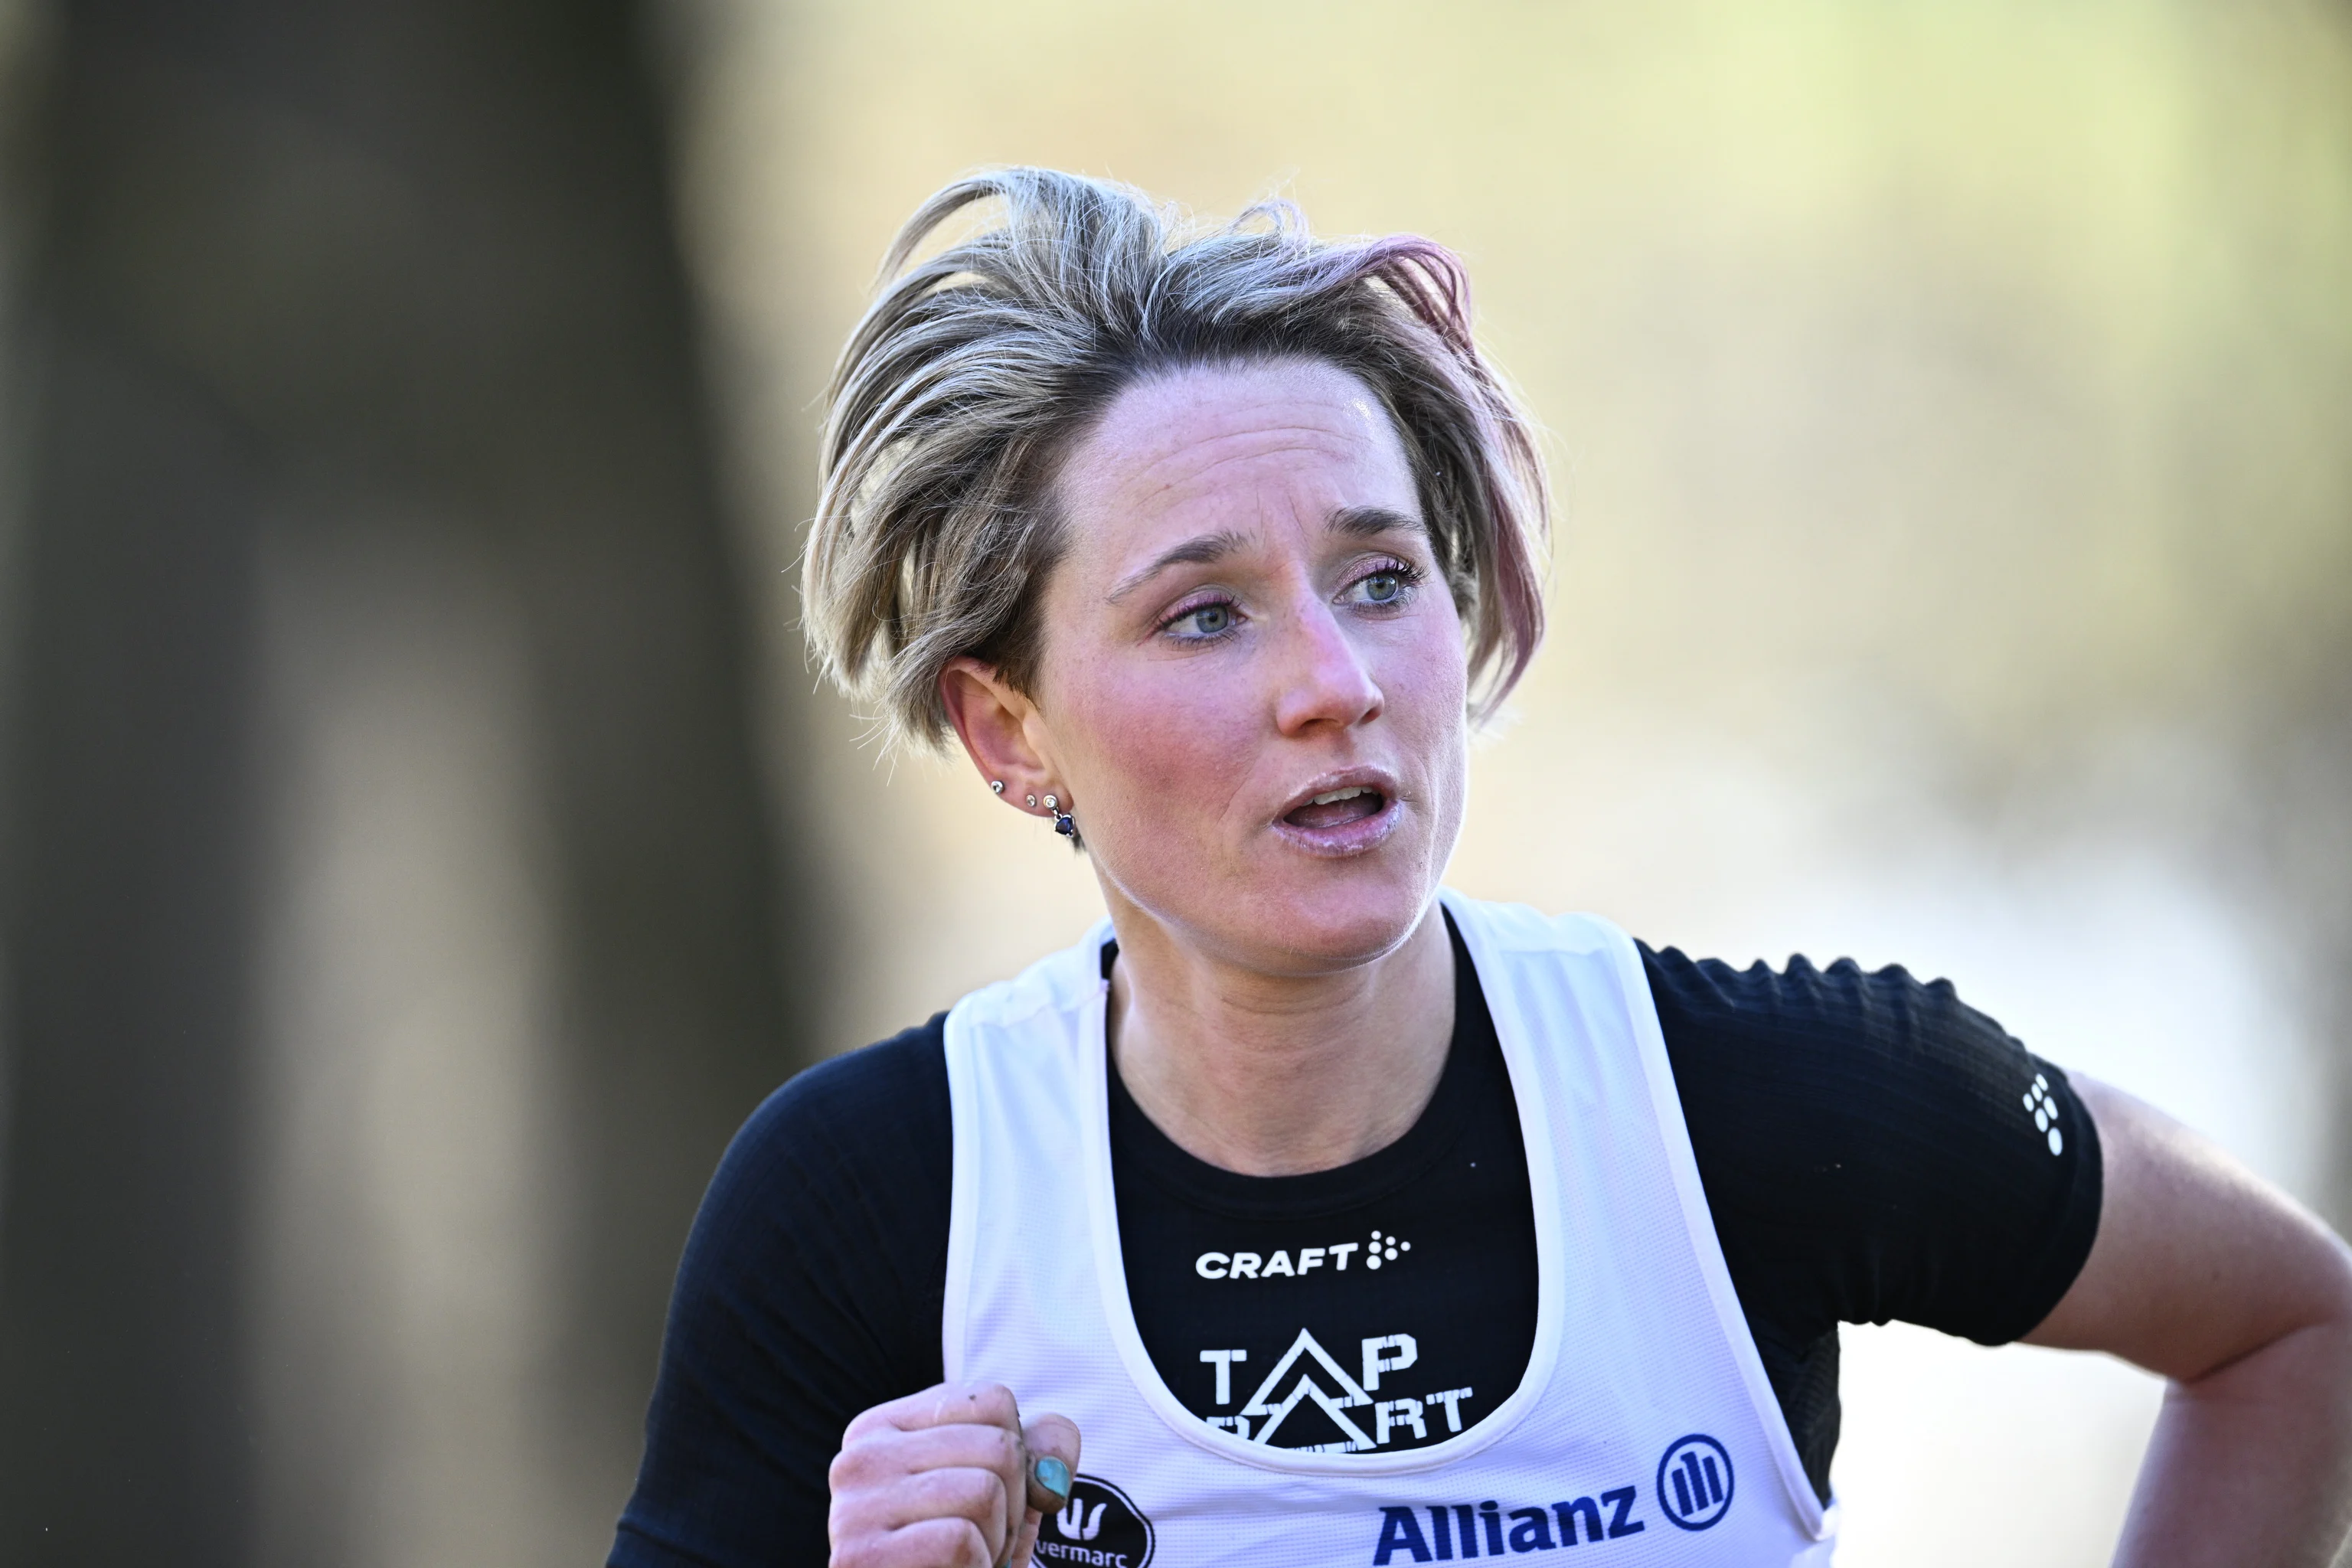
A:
(1952, 409)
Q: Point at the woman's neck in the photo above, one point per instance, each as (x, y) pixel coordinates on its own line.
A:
(1278, 1075)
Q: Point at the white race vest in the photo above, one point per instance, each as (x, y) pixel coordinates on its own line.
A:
(1644, 1431)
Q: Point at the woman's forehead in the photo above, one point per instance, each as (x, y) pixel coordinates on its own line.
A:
(1232, 448)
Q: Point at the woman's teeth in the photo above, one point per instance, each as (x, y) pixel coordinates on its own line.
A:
(1333, 809)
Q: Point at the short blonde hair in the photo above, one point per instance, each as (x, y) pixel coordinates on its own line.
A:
(973, 370)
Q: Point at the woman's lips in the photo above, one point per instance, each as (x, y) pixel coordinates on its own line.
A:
(1347, 821)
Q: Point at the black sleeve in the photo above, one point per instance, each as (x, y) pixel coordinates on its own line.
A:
(1872, 1149)
(810, 1290)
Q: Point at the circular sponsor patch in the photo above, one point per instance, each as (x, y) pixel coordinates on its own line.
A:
(1694, 1481)
(1099, 1527)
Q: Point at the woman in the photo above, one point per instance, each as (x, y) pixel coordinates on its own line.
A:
(1336, 1219)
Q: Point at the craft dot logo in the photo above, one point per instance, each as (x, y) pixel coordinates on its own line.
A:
(1099, 1527)
(2045, 1112)
(1694, 1481)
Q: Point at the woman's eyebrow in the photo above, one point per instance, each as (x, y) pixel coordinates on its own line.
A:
(1353, 522)
(1369, 521)
(1195, 551)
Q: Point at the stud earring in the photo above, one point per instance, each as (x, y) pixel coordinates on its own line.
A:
(1052, 805)
(1033, 803)
(997, 786)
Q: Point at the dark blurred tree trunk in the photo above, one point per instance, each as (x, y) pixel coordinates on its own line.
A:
(352, 265)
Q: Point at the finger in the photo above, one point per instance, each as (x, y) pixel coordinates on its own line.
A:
(877, 1448)
(933, 1544)
(977, 1495)
(1024, 1545)
(942, 1404)
(1052, 1444)
(879, 1458)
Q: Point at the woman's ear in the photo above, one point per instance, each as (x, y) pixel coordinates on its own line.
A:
(992, 719)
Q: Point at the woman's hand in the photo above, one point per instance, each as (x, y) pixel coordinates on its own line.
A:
(947, 1479)
(2203, 1273)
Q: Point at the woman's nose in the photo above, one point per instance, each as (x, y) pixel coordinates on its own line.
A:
(1324, 679)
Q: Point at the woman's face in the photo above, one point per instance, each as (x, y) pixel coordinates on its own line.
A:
(1252, 681)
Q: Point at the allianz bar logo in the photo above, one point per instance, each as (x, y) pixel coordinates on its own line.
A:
(1694, 1488)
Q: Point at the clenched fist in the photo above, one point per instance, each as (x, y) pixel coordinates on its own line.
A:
(947, 1479)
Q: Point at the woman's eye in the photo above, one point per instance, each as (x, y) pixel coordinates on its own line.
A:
(1206, 620)
(1382, 588)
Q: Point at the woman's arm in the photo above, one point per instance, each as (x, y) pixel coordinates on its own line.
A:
(809, 1291)
(2208, 1275)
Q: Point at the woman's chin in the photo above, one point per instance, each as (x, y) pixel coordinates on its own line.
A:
(1277, 912)
(1333, 929)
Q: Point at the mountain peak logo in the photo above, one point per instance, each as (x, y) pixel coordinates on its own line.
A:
(1269, 1405)
(1099, 1527)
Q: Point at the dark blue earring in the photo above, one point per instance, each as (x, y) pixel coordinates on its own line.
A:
(1062, 823)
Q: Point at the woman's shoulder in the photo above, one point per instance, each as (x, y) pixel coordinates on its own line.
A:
(1870, 1141)
(862, 1134)
(834, 1199)
(1858, 1026)
(868, 1080)
(881, 1105)
(1843, 1070)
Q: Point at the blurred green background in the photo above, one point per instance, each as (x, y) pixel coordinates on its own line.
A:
(426, 839)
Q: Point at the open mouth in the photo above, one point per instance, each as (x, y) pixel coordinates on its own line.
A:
(1337, 808)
